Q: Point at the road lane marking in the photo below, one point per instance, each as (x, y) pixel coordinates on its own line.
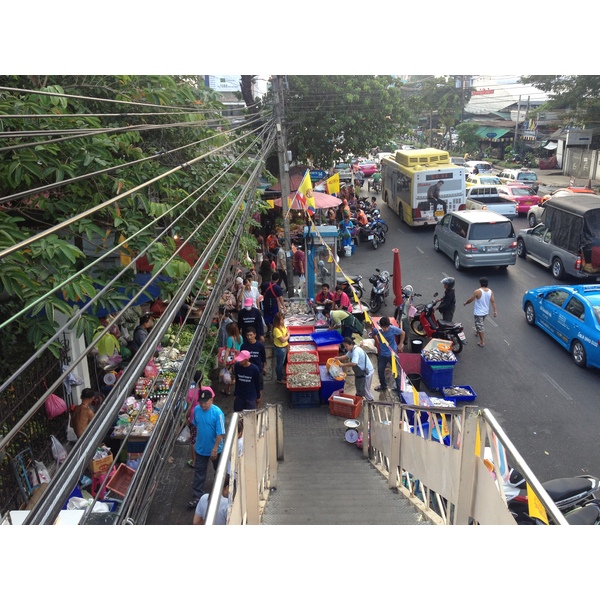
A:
(507, 342)
(492, 322)
(553, 383)
(419, 249)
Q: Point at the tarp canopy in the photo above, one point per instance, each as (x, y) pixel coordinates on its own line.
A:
(321, 201)
(493, 134)
(551, 146)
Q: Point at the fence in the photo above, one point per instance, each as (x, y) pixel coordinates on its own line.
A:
(450, 462)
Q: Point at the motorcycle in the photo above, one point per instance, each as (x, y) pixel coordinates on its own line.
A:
(366, 233)
(374, 185)
(588, 514)
(354, 284)
(375, 219)
(425, 324)
(568, 493)
(380, 290)
(379, 233)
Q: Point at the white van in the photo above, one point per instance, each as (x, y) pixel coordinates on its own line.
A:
(482, 166)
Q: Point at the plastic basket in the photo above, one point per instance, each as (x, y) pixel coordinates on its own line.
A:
(327, 338)
(467, 397)
(119, 483)
(341, 409)
(314, 356)
(305, 398)
(436, 378)
(300, 329)
(292, 368)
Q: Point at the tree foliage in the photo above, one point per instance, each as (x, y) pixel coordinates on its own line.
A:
(578, 94)
(329, 117)
(29, 162)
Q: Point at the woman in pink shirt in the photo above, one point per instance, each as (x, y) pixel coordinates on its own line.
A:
(341, 299)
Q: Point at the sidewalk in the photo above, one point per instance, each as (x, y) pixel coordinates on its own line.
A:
(556, 179)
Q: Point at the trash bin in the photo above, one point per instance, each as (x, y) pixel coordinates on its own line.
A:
(416, 345)
(415, 379)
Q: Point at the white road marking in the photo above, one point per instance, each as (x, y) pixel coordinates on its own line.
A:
(507, 342)
(552, 382)
(492, 322)
(419, 249)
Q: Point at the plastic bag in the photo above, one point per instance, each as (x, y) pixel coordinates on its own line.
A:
(151, 370)
(42, 473)
(58, 450)
(55, 406)
(185, 435)
(225, 376)
(82, 503)
(71, 436)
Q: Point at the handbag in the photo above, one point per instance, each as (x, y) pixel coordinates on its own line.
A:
(55, 406)
(226, 356)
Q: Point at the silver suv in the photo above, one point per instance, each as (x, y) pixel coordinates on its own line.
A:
(525, 176)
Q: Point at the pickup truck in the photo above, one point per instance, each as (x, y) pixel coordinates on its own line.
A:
(487, 197)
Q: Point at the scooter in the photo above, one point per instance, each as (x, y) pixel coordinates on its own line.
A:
(407, 309)
(425, 324)
(568, 493)
(380, 290)
(355, 284)
(375, 219)
(366, 233)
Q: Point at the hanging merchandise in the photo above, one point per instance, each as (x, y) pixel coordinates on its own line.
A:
(55, 406)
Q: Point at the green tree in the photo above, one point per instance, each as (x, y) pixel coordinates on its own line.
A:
(329, 117)
(467, 136)
(578, 94)
(138, 132)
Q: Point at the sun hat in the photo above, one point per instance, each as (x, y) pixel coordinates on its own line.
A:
(242, 356)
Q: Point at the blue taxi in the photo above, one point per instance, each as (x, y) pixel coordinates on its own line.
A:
(569, 314)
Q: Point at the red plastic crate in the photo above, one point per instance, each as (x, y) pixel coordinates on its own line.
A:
(289, 368)
(119, 483)
(341, 409)
(300, 329)
(314, 354)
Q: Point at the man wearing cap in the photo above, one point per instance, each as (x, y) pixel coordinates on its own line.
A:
(210, 430)
(250, 316)
(247, 383)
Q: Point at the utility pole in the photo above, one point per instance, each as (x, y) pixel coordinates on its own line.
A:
(517, 126)
(284, 176)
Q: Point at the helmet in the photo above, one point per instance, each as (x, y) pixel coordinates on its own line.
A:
(385, 275)
(407, 290)
(449, 281)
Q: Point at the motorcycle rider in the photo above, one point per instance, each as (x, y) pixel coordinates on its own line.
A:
(447, 304)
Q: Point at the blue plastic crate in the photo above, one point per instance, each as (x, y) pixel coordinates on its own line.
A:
(467, 397)
(327, 338)
(438, 364)
(306, 399)
(436, 378)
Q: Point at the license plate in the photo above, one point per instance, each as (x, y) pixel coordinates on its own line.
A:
(493, 248)
(370, 237)
(439, 213)
(462, 336)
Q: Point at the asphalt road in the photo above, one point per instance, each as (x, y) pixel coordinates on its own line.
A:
(548, 406)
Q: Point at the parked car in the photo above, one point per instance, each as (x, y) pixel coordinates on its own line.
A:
(482, 180)
(524, 176)
(523, 195)
(367, 168)
(534, 213)
(476, 238)
(568, 239)
(458, 161)
(571, 316)
(340, 167)
(483, 166)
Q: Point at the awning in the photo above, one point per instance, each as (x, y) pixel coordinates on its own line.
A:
(551, 146)
(492, 134)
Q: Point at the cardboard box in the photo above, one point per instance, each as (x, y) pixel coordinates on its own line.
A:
(101, 465)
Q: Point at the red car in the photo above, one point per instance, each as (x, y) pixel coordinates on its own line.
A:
(523, 195)
(367, 168)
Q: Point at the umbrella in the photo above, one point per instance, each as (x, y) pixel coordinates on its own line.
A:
(397, 278)
(321, 201)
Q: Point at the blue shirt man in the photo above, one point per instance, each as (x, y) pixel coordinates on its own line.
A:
(210, 425)
(389, 333)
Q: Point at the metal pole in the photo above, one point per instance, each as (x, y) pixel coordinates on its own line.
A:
(284, 176)
(517, 126)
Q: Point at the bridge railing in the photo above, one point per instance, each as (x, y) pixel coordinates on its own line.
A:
(450, 462)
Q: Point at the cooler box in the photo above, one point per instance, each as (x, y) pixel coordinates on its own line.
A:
(327, 352)
(436, 375)
(329, 385)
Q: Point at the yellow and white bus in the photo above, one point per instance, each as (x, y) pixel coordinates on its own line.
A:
(408, 178)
